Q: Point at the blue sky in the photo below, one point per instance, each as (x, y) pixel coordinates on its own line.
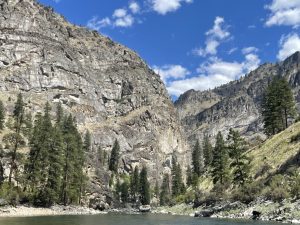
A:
(194, 44)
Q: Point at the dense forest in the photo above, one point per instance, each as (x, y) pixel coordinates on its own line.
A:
(53, 169)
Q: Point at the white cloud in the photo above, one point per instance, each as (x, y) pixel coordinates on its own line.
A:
(248, 50)
(165, 6)
(97, 24)
(134, 7)
(215, 37)
(288, 45)
(120, 18)
(284, 12)
(118, 13)
(214, 73)
(232, 50)
(167, 72)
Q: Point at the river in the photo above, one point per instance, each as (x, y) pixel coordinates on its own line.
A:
(119, 219)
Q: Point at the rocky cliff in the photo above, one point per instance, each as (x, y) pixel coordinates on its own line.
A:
(106, 86)
(235, 105)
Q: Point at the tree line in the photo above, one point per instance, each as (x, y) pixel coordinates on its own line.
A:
(53, 170)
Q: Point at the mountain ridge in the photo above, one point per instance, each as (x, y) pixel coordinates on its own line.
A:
(106, 86)
(236, 104)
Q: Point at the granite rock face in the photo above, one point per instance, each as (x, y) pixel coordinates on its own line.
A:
(235, 105)
(106, 86)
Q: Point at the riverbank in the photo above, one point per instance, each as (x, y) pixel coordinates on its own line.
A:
(27, 211)
(286, 211)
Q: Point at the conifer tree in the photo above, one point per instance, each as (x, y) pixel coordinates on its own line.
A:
(240, 162)
(144, 187)
(16, 139)
(124, 189)
(2, 115)
(72, 170)
(134, 183)
(207, 150)
(220, 163)
(165, 194)
(189, 174)
(177, 183)
(59, 114)
(278, 106)
(53, 184)
(114, 158)
(197, 159)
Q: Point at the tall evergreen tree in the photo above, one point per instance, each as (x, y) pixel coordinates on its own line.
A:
(134, 184)
(53, 185)
(177, 183)
(189, 174)
(16, 139)
(2, 115)
(124, 188)
(208, 151)
(114, 158)
(72, 170)
(144, 187)
(278, 106)
(220, 163)
(59, 114)
(240, 162)
(165, 194)
(197, 159)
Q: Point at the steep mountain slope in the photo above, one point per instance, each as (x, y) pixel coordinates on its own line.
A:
(277, 154)
(106, 86)
(234, 105)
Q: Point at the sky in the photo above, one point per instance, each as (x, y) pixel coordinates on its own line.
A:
(194, 44)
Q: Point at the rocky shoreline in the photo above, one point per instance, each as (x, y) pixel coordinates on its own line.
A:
(57, 210)
(287, 211)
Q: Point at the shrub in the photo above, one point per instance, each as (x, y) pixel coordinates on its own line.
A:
(295, 138)
(248, 193)
(295, 186)
(277, 189)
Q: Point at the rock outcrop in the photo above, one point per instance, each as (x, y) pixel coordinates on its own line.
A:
(106, 86)
(235, 105)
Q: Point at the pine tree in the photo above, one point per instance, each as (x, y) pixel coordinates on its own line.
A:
(165, 194)
(16, 139)
(2, 115)
(118, 190)
(197, 159)
(177, 183)
(53, 184)
(144, 187)
(87, 142)
(220, 163)
(278, 106)
(189, 174)
(134, 183)
(73, 169)
(208, 151)
(114, 158)
(124, 189)
(240, 161)
(1, 165)
(59, 114)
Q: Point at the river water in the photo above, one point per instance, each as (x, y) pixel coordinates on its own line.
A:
(118, 219)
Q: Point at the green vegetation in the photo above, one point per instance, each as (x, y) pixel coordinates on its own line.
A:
(220, 163)
(278, 106)
(144, 187)
(114, 157)
(240, 161)
(53, 170)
